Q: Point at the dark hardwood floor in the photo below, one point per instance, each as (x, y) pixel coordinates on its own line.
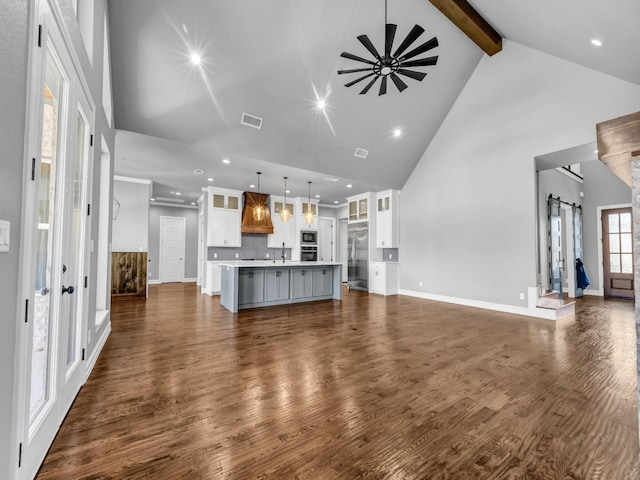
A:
(367, 388)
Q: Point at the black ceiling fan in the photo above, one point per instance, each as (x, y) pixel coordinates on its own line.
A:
(392, 64)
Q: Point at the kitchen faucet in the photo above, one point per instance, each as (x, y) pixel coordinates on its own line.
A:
(282, 255)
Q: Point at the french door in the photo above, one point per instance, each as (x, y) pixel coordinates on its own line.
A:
(56, 245)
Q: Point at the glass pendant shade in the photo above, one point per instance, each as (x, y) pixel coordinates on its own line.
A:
(285, 214)
(308, 217)
(258, 210)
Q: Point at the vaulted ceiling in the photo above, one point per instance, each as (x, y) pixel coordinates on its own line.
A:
(274, 59)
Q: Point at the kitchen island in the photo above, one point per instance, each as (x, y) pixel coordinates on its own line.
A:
(258, 284)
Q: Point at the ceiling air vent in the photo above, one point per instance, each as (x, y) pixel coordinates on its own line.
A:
(251, 121)
(331, 179)
(197, 171)
(361, 153)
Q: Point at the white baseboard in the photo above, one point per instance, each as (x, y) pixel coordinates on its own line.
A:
(96, 351)
(190, 280)
(497, 307)
(154, 282)
(594, 293)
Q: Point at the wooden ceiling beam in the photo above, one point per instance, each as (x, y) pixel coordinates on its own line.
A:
(467, 19)
(618, 141)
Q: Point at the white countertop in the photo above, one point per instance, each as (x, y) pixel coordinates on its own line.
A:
(272, 264)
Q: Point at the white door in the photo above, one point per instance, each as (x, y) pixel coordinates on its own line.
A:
(325, 239)
(172, 232)
(56, 248)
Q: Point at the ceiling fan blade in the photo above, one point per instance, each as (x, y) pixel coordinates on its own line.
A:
(354, 70)
(369, 85)
(383, 86)
(389, 36)
(364, 40)
(424, 62)
(428, 45)
(358, 80)
(411, 74)
(399, 83)
(415, 32)
(356, 58)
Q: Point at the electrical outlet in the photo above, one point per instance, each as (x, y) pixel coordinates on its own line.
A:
(215, 255)
(236, 255)
(420, 284)
(390, 256)
(149, 274)
(522, 296)
(267, 255)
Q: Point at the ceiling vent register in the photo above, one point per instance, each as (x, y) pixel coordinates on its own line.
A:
(251, 121)
(361, 153)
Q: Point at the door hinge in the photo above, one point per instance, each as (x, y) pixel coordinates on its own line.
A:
(40, 36)
(20, 455)
(91, 140)
(26, 311)
(86, 281)
(88, 209)
(83, 354)
(33, 169)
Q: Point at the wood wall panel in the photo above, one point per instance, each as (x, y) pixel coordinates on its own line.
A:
(128, 275)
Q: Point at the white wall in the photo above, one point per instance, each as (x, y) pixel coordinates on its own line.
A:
(467, 221)
(130, 229)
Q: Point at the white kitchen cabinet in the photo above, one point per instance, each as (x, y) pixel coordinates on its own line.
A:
(214, 275)
(387, 219)
(359, 207)
(225, 217)
(383, 278)
(282, 231)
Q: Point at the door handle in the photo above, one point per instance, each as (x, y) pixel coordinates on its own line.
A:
(68, 289)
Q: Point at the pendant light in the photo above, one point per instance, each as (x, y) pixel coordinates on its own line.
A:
(308, 217)
(285, 214)
(258, 210)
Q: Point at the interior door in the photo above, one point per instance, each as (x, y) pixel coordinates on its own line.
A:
(50, 363)
(577, 242)
(172, 239)
(617, 246)
(325, 239)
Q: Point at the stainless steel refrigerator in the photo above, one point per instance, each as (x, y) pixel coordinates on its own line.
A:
(358, 250)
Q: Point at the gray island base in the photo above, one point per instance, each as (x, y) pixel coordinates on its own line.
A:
(260, 284)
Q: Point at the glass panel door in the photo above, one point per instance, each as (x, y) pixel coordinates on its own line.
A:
(556, 262)
(617, 241)
(41, 390)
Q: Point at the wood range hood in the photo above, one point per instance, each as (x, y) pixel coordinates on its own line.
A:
(250, 224)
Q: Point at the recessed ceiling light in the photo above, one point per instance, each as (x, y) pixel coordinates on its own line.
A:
(349, 186)
(397, 133)
(193, 203)
(336, 201)
(210, 179)
(320, 103)
(317, 196)
(178, 193)
(252, 186)
(595, 151)
(195, 59)
(596, 42)
(153, 199)
(226, 160)
(288, 191)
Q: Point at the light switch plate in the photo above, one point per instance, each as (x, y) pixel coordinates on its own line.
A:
(5, 235)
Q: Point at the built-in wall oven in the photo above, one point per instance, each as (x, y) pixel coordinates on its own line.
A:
(309, 253)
